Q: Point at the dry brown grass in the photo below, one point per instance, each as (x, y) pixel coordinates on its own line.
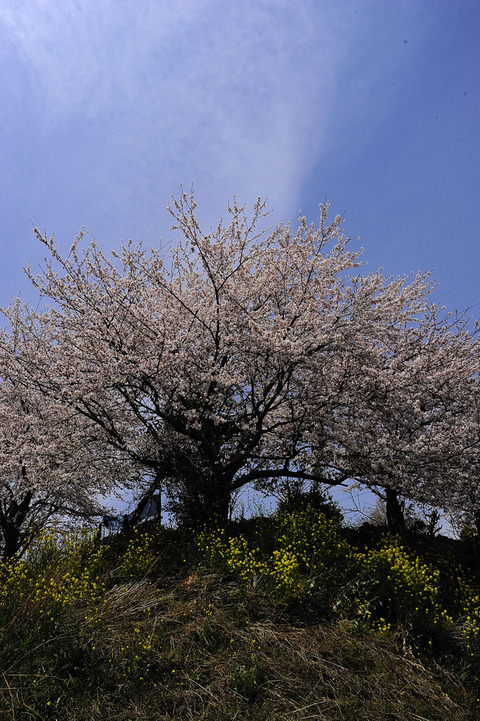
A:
(218, 653)
(196, 646)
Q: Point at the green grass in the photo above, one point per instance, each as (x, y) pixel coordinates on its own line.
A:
(288, 618)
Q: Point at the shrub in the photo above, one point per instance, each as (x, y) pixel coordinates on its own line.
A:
(398, 590)
(141, 554)
(308, 555)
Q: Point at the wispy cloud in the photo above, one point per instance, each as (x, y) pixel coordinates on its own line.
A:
(234, 97)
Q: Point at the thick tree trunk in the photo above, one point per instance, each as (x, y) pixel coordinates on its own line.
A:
(152, 494)
(12, 520)
(395, 517)
(11, 540)
(200, 499)
(214, 506)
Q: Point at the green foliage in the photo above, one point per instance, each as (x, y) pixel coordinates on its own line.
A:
(233, 554)
(57, 572)
(141, 554)
(310, 548)
(118, 628)
(308, 556)
(397, 590)
(295, 496)
(466, 604)
(388, 588)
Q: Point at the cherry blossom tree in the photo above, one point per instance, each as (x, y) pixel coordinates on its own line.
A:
(414, 430)
(238, 357)
(52, 468)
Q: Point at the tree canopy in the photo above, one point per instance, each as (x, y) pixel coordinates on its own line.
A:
(241, 356)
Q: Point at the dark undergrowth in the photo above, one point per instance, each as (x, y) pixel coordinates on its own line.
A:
(288, 618)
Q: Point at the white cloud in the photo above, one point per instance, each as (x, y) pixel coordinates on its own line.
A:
(231, 96)
(234, 97)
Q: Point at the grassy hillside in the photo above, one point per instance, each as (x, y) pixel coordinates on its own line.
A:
(286, 618)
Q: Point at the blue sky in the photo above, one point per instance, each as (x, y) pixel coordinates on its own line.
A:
(106, 106)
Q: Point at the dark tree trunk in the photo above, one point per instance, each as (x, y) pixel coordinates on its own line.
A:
(213, 505)
(395, 517)
(201, 501)
(12, 520)
(477, 522)
(11, 540)
(153, 493)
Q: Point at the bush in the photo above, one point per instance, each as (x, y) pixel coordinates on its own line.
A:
(388, 587)
(141, 554)
(308, 555)
(397, 590)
